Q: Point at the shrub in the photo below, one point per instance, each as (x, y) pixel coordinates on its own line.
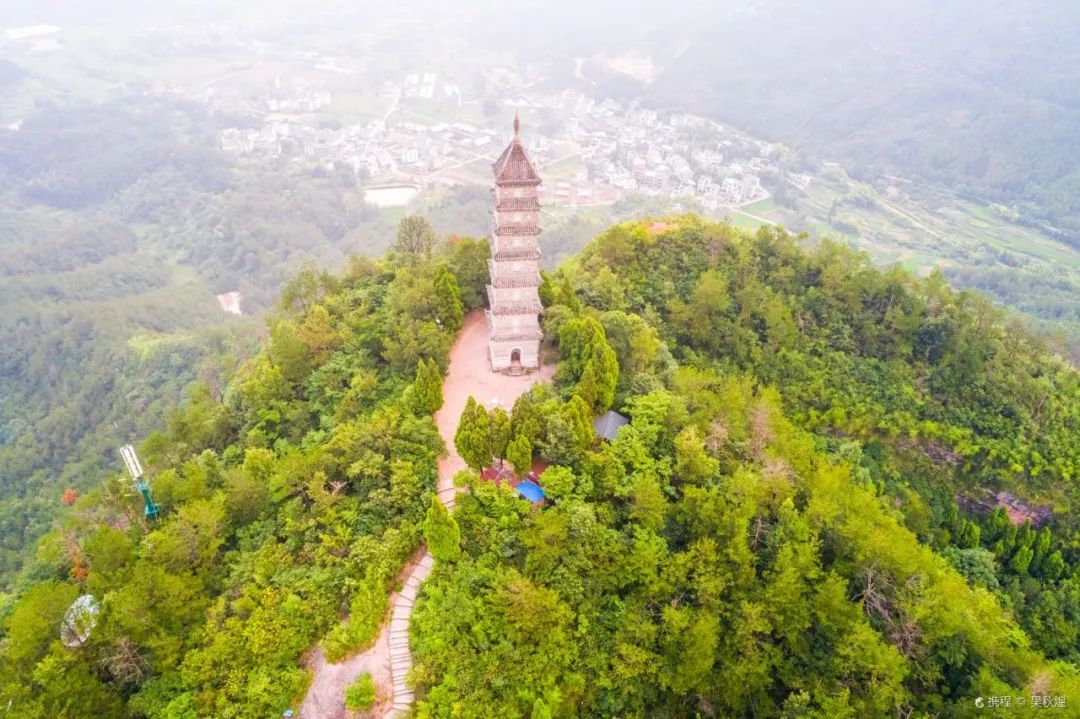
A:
(361, 693)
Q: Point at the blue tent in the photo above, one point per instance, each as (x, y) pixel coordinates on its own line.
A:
(530, 491)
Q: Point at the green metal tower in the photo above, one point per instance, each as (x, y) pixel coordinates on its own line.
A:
(150, 508)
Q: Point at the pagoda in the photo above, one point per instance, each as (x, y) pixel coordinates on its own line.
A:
(514, 303)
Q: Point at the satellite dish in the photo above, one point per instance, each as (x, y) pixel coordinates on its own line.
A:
(79, 621)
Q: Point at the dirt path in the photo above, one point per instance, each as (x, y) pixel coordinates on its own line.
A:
(326, 695)
(469, 374)
(389, 659)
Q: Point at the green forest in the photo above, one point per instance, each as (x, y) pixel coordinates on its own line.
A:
(111, 251)
(775, 533)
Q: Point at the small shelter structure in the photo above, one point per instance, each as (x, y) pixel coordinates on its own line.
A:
(607, 425)
(530, 490)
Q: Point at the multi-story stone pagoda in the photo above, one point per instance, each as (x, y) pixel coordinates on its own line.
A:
(514, 316)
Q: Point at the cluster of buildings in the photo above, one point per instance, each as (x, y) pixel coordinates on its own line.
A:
(616, 149)
(375, 149)
(425, 86)
(679, 156)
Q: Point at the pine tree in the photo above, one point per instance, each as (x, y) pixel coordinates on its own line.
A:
(441, 532)
(567, 296)
(577, 410)
(448, 299)
(524, 417)
(498, 432)
(589, 360)
(997, 524)
(1053, 566)
(607, 375)
(519, 454)
(472, 439)
(587, 386)
(1020, 561)
(427, 393)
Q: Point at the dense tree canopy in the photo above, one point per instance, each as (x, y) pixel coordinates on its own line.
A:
(775, 533)
(289, 502)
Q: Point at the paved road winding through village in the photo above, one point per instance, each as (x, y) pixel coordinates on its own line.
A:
(390, 657)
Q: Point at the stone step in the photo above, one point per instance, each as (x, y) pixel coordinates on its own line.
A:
(427, 561)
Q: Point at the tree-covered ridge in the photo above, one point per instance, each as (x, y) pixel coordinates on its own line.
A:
(289, 502)
(853, 349)
(722, 559)
(119, 223)
(773, 534)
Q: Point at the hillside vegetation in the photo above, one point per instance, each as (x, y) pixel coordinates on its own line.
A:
(120, 223)
(773, 534)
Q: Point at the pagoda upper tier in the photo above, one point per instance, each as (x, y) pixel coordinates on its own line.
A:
(514, 166)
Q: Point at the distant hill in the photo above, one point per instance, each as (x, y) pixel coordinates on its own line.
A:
(984, 101)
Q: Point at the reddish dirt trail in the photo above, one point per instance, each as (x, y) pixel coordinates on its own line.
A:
(469, 374)
(390, 659)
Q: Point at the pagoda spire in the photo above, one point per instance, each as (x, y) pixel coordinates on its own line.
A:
(517, 123)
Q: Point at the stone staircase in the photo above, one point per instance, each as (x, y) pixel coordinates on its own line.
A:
(400, 656)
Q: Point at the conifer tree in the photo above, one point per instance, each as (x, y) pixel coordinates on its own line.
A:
(578, 412)
(587, 388)
(427, 387)
(441, 532)
(583, 343)
(1020, 561)
(498, 432)
(472, 439)
(519, 454)
(524, 417)
(448, 297)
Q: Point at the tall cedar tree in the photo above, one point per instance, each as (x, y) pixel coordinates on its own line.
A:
(519, 454)
(499, 432)
(588, 361)
(472, 440)
(427, 387)
(448, 299)
(441, 532)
